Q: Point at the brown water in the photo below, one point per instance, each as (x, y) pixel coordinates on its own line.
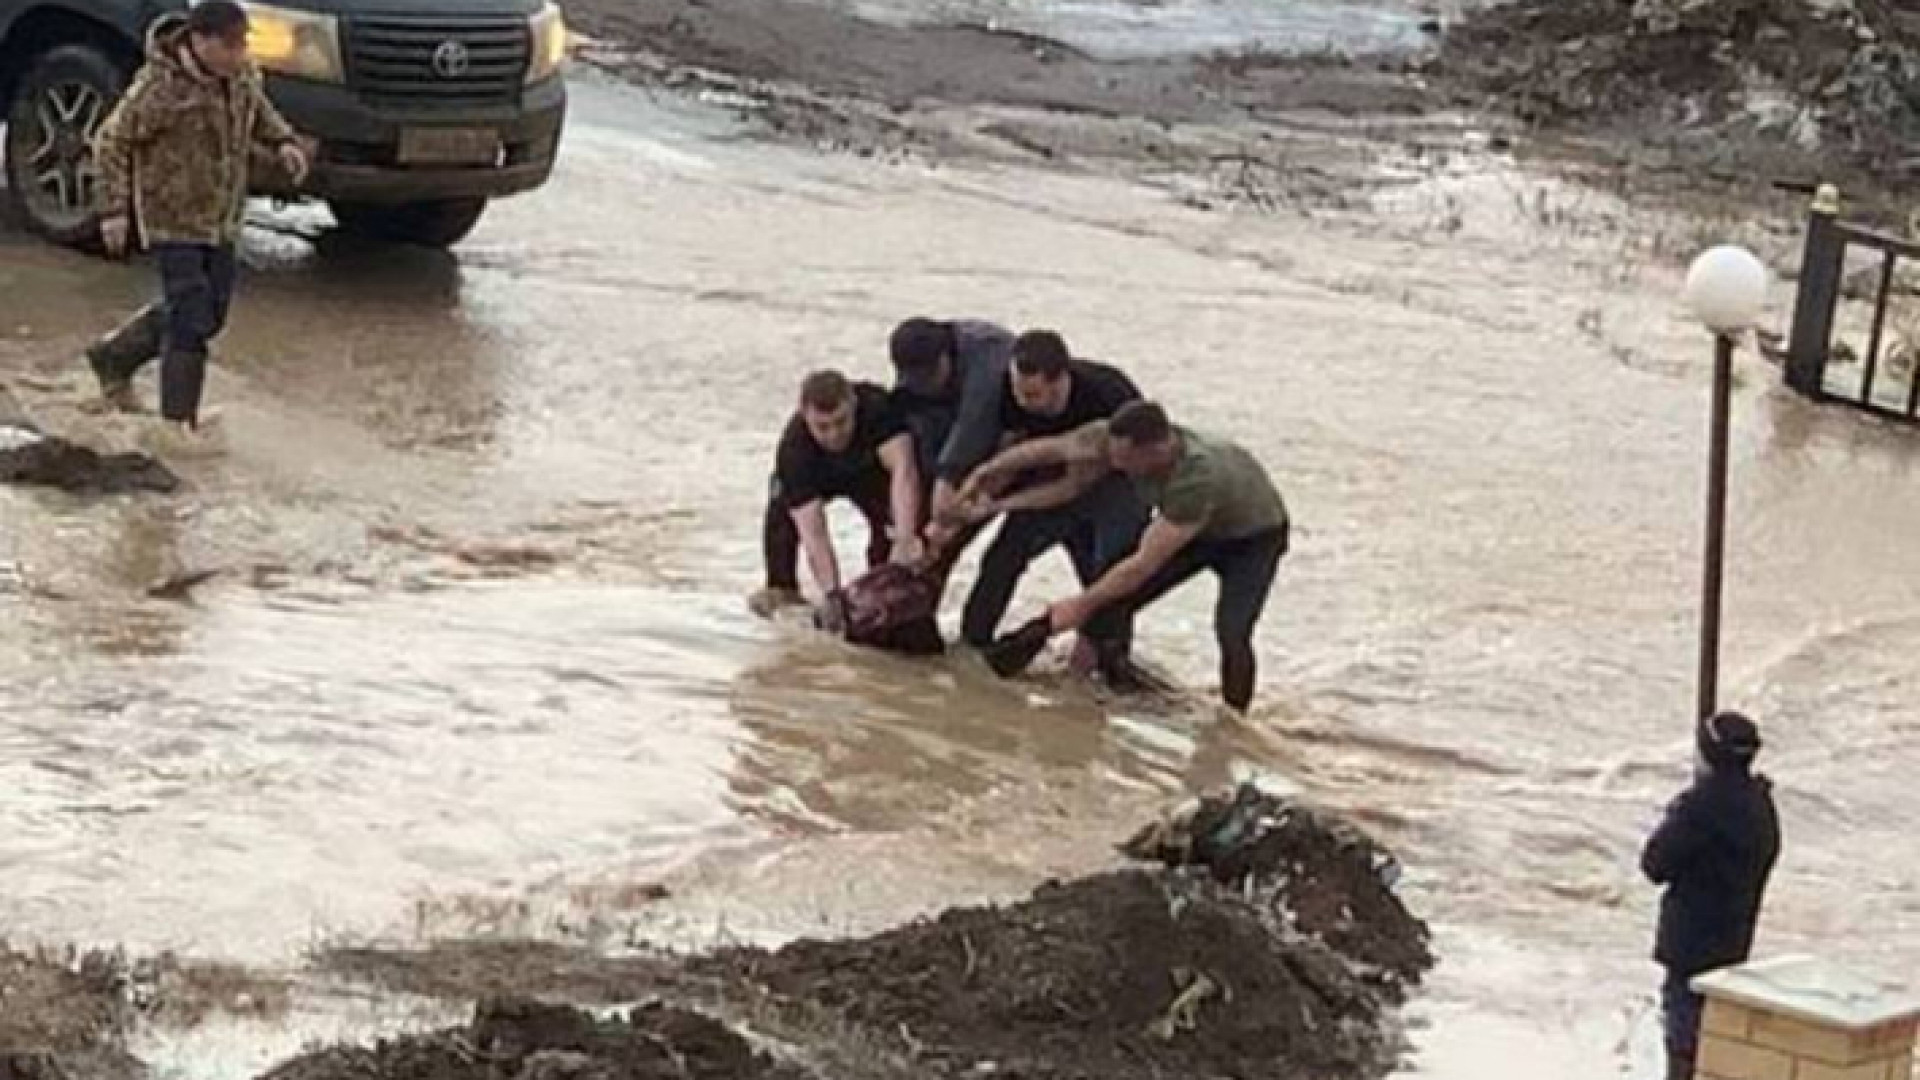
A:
(477, 659)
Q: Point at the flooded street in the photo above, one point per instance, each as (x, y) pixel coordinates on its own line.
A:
(476, 660)
(1131, 28)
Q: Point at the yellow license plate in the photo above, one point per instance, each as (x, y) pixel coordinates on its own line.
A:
(449, 146)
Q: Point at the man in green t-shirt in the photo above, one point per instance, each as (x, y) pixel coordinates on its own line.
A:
(1216, 509)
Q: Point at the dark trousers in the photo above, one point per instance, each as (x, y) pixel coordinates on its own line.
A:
(196, 290)
(780, 537)
(1098, 529)
(1245, 568)
(1680, 1010)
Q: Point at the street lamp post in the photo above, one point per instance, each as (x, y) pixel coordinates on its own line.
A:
(1726, 289)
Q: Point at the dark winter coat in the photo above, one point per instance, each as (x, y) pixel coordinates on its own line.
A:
(1714, 852)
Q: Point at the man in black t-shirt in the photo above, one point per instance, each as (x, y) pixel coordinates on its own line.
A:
(844, 442)
(1050, 393)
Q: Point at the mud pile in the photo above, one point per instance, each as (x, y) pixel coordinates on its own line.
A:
(1811, 75)
(817, 74)
(1315, 872)
(1270, 946)
(63, 1018)
(525, 1040)
(1268, 943)
(31, 459)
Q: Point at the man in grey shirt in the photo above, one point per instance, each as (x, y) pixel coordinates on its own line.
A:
(950, 380)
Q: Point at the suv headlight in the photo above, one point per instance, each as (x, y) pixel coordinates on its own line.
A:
(297, 43)
(549, 31)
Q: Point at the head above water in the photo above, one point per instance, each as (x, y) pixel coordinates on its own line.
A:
(1141, 441)
(1042, 383)
(1729, 741)
(828, 408)
(923, 351)
(217, 36)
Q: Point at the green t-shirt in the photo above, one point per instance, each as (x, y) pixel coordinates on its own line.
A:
(1216, 484)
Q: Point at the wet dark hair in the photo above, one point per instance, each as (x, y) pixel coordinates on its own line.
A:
(918, 344)
(222, 19)
(825, 391)
(1142, 423)
(1041, 352)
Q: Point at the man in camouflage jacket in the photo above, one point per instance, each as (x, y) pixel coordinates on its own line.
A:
(173, 161)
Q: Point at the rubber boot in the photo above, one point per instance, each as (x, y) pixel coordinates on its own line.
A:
(1011, 654)
(1114, 662)
(116, 357)
(183, 374)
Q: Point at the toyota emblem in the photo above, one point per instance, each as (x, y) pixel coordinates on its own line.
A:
(451, 60)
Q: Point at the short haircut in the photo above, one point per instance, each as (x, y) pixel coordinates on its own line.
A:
(221, 19)
(1041, 352)
(919, 343)
(1142, 423)
(825, 391)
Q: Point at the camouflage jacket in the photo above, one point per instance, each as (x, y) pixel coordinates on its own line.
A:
(175, 151)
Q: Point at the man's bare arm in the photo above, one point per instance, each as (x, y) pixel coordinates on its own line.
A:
(903, 472)
(1023, 457)
(817, 541)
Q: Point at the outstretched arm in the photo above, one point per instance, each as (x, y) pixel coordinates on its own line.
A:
(903, 473)
(1163, 540)
(810, 519)
(1047, 496)
(1000, 470)
(272, 132)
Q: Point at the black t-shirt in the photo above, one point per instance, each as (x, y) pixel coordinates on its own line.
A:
(1098, 392)
(806, 472)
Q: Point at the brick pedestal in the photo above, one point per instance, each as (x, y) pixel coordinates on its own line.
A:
(1798, 1018)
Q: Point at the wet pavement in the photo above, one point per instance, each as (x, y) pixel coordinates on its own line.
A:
(474, 658)
(1131, 28)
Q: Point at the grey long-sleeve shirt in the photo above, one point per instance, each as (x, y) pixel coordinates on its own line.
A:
(962, 430)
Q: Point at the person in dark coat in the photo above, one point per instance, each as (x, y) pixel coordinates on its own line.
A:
(1713, 851)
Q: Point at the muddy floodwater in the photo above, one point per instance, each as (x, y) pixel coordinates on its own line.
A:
(473, 658)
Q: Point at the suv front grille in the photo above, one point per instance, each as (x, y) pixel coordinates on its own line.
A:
(438, 59)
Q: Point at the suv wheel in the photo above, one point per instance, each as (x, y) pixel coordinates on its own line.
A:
(59, 106)
(430, 224)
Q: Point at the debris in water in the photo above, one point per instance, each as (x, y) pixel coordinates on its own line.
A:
(31, 458)
(180, 586)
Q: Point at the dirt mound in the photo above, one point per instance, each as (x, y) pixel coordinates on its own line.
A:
(1268, 945)
(50, 461)
(819, 74)
(1130, 974)
(1318, 873)
(1279, 957)
(1815, 74)
(525, 1040)
(63, 1018)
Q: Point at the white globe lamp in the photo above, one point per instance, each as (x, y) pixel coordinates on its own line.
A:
(1727, 289)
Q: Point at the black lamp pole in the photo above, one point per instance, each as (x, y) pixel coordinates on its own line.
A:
(1709, 702)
